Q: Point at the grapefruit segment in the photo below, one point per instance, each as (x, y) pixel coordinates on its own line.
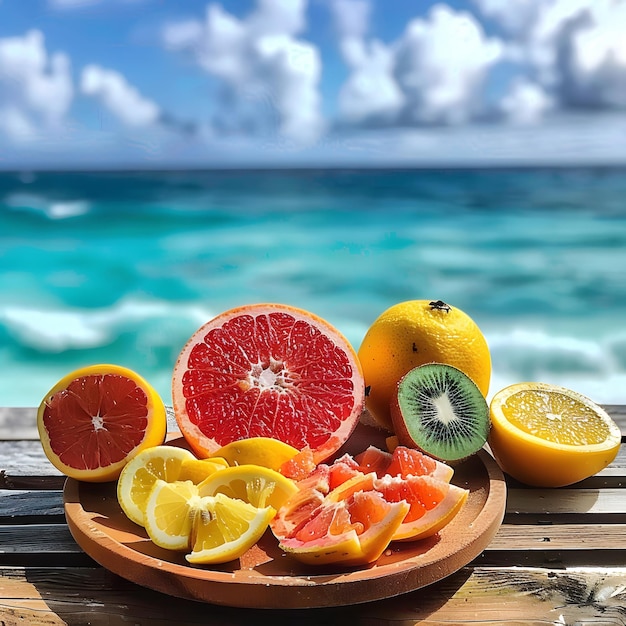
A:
(433, 503)
(268, 370)
(95, 419)
(349, 532)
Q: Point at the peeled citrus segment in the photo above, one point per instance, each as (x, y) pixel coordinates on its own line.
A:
(140, 474)
(259, 486)
(267, 370)
(549, 436)
(433, 504)
(403, 462)
(95, 419)
(263, 451)
(226, 529)
(300, 465)
(170, 513)
(348, 532)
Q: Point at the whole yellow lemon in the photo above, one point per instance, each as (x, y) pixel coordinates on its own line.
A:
(413, 333)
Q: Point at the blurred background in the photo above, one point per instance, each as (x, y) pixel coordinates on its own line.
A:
(163, 161)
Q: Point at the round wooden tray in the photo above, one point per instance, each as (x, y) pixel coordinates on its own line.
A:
(265, 577)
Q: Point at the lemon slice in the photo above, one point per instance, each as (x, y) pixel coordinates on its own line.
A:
(170, 513)
(197, 470)
(259, 486)
(263, 451)
(549, 436)
(226, 529)
(141, 472)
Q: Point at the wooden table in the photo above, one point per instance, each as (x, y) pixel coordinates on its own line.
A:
(558, 558)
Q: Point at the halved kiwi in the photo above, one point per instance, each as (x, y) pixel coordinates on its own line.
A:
(440, 410)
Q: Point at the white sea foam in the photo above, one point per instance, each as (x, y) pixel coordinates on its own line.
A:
(594, 366)
(64, 329)
(150, 333)
(55, 210)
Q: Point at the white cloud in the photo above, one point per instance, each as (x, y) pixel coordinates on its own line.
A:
(36, 88)
(575, 49)
(442, 62)
(269, 77)
(517, 19)
(434, 73)
(371, 92)
(121, 98)
(525, 102)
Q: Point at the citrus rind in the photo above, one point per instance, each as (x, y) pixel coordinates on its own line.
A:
(154, 433)
(142, 471)
(230, 528)
(538, 462)
(257, 485)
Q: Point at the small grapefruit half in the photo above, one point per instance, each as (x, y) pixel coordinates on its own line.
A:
(95, 419)
(268, 370)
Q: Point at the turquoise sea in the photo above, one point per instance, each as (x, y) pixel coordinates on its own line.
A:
(123, 267)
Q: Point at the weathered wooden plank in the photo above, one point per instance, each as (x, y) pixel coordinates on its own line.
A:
(21, 422)
(559, 501)
(25, 458)
(477, 596)
(512, 545)
(18, 423)
(587, 536)
(40, 545)
(31, 506)
(512, 540)
(551, 503)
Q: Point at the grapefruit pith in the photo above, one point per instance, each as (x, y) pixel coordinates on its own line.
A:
(268, 370)
(95, 419)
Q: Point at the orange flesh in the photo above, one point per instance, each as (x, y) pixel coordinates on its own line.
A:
(269, 374)
(87, 427)
(555, 417)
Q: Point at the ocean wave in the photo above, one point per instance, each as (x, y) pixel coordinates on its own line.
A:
(594, 366)
(40, 346)
(54, 331)
(52, 209)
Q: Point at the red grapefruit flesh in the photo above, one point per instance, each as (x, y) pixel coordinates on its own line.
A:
(95, 419)
(347, 533)
(433, 503)
(268, 370)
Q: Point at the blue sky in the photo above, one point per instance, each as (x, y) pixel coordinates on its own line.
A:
(154, 83)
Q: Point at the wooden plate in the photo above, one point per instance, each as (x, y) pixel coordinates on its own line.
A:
(267, 578)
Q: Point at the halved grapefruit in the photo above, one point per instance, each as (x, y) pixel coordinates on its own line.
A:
(95, 419)
(268, 370)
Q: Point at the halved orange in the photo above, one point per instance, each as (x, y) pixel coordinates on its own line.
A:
(549, 436)
(95, 419)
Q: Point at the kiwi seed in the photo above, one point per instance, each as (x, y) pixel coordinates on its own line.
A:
(441, 411)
